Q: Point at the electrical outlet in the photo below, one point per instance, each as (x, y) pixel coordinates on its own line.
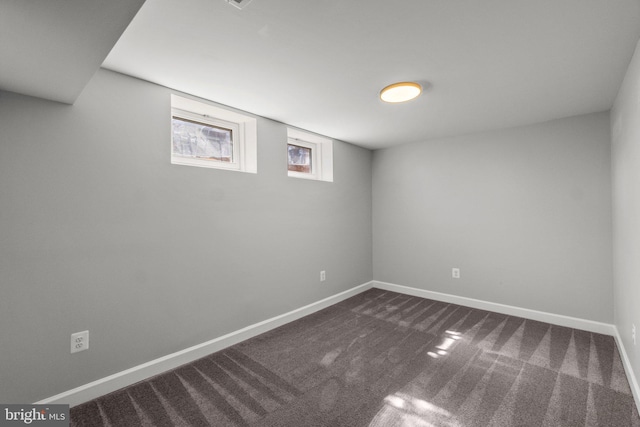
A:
(455, 273)
(633, 333)
(79, 341)
(323, 276)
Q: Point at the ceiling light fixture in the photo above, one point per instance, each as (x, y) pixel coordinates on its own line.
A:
(400, 92)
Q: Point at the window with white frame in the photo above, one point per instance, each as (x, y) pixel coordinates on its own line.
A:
(204, 135)
(309, 156)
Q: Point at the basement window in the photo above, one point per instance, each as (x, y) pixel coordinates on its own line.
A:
(204, 138)
(309, 156)
(300, 157)
(203, 135)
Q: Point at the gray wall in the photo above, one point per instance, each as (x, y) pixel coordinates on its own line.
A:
(525, 213)
(625, 121)
(99, 231)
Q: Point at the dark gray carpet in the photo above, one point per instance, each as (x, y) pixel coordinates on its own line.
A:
(386, 359)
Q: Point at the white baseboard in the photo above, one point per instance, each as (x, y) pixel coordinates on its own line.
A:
(138, 373)
(556, 319)
(633, 382)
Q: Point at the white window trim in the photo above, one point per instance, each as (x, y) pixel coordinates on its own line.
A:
(245, 142)
(321, 154)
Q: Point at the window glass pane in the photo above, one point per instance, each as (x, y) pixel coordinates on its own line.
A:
(200, 140)
(299, 158)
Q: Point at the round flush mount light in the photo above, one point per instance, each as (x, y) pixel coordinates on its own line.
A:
(400, 92)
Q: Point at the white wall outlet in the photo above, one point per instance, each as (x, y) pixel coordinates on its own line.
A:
(79, 341)
(455, 273)
(633, 333)
(323, 276)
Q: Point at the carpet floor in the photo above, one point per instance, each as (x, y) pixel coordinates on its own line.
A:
(386, 359)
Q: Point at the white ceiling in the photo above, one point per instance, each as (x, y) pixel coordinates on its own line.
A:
(51, 49)
(319, 64)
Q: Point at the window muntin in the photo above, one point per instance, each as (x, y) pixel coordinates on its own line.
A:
(195, 139)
